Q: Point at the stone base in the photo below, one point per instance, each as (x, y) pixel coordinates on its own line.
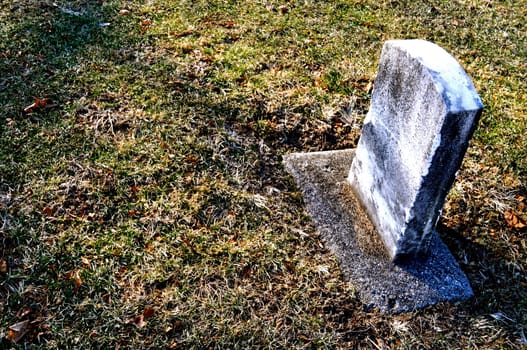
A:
(349, 234)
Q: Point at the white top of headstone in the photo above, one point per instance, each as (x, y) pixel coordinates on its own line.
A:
(455, 83)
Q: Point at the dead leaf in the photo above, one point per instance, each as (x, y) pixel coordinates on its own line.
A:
(247, 271)
(85, 261)
(227, 24)
(188, 178)
(23, 312)
(124, 12)
(187, 48)
(48, 211)
(17, 331)
(145, 24)
(513, 220)
(284, 9)
(191, 159)
(303, 337)
(3, 266)
(149, 312)
(178, 325)
(182, 33)
(77, 280)
(369, 87)
(133, 212)
(38, 103)
(138, 321)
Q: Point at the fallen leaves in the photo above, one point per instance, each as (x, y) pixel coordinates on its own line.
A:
(149, 312)
(283, 9)
(17, 331)
(86, 262)
(3, 266)
(139, 320)
(181, 34)
(23, 312)
(76, 278)
(226, 24)
(39, 103)
(514, 220)
(145, 24)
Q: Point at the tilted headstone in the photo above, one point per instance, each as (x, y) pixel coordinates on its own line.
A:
(423, 112)
(377, 206)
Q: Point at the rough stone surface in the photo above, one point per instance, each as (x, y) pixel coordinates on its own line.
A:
(347, 231)
(424, 110)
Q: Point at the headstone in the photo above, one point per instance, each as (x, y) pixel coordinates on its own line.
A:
(423, 112)
(377, 206)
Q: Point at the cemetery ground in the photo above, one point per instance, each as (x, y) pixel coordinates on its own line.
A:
(143, 200)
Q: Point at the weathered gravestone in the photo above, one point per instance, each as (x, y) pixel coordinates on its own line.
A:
(377, 206)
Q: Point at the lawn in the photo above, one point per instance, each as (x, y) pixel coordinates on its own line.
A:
(143, 200)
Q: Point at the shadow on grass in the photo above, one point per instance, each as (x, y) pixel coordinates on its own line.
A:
(499, 286)
(44, 51)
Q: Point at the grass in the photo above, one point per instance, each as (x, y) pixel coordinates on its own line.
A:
(144, 204)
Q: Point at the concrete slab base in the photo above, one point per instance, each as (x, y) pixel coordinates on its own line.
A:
(349, 234)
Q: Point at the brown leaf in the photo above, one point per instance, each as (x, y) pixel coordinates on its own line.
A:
(514, 221)
(191, 159)
(284, 9)
(181, 33)
(178, 325)
(149, 312)
(188, 178)
(41, 102)
(3, 266)
(23, 312)
(303, 337)
(187, 48)
(247, 271)
(85, 261)
(145, 24)
(38, 103)
(48, 211)
(17, 331)
(138, 321)
(226, 24)
(77, 280)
